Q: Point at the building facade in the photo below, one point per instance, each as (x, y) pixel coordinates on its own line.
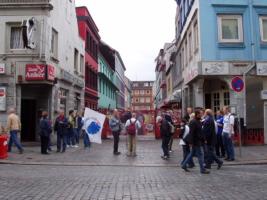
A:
(128, 93)
(89, 33)
(119, 73)
(142, 96)
(107, 89)
(216, 42)
(36, 74)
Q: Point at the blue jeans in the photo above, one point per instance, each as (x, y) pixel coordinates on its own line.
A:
(186, 152)
(198, 152)
(61, 142)
(77, 132)
(211, 156)
(229, 146)
(14, 139)
(71, 137)
(86, 140)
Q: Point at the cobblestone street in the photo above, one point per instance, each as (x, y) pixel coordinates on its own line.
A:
(97, 174)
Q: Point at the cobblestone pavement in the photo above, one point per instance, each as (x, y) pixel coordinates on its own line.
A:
(148, 151)
(28, 182)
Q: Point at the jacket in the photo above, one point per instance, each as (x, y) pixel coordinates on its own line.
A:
(45, 127)
(114, 124)
(197, 137)
(209, 131)
(13, 123)
(165, 129)
(61, 125)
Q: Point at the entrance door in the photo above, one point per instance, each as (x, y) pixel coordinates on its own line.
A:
(28, 119)
(219, 99)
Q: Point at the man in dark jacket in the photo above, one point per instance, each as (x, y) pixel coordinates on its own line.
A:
(45, 131)
(165, 132)
(60, 127)
(209, 131)
(196, 139)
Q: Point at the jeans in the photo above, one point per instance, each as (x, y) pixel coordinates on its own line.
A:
(71, 137)
(116, 136)
(229, 146)
(131, 145)
(170, 143)
(86, 140)
(49, 146)
(186, 152)
(165, 146)
(14, 138)
(211, 156)
(61, 140)
(44, 144)
(220, 150)
(77, 133)
(198, 152)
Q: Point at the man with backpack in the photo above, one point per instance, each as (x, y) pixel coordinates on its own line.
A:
(132, 125)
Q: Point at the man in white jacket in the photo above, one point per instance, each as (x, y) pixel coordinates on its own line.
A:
(132, 125)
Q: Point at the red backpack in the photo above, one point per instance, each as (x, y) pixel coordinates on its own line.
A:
(131, 129)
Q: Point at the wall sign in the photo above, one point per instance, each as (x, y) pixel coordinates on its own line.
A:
(215, 68)
(237, 84)
(2, 99)
(35, 72)
(50, 73)
(2, 68)
(262, 69)
(264, 94)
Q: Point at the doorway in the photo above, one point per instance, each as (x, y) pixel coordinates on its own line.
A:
(28, 120)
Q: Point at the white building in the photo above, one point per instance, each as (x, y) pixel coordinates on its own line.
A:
(50, 75)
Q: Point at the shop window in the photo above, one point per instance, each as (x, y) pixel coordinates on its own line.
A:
(263, 28)
(16, 41)
(216, 101)
(226, 97)
(230, 28)
(54, 43)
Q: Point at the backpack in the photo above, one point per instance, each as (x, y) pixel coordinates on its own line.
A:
(131, 129)
(172, 128)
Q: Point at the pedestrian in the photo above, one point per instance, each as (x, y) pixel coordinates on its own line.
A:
(126, 116)
(220, 150)
(71, 130)
(209, 131)
(196, 139)
(228, 132)
(115, 126)
(79, 125)
(186, 148)
(172, 127)
(165, 132)
(45, 132)
(14, 127)
(189, 111)
(60, 127)
(132, 125)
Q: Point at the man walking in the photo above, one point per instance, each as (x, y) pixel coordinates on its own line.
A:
(228, 132)
(165, 132)
(45, 131)
(196, 139)
(132, 125)
(115, 126)
(60, 127)
(14, 127)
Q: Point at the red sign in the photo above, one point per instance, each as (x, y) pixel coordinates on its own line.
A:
(50, 73)
(2, 68)
(35, 72)
(237, 84)
(2, 92)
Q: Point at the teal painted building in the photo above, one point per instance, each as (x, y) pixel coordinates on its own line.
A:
(107, 90)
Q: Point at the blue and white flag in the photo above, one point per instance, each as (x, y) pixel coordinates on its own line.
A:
(93, 125)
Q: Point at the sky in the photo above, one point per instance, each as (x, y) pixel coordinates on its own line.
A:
(137, 29)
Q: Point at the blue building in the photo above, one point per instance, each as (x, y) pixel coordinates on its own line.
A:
(217, 41)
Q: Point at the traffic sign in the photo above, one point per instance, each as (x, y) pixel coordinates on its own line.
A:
(237, 84)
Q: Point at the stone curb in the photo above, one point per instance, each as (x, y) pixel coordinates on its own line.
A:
(8, 162)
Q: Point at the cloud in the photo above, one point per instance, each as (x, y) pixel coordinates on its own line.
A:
(137, 29)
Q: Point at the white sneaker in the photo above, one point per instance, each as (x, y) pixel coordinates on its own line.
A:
(68, 146)
(76, 146)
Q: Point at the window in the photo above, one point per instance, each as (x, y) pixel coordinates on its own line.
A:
(182, 58)
(136, 100)
(185, 52)
(148, 100)
(216, 102)
(76, 54)
(148, 92)
(226, 98)
(16, 41)
(81, 64)
(142, 100)
(190, 43)
(196, 40)
(263, 28)
(54, 43)
(136, 91)
(230, 28)
(142, 92)
(146, 84)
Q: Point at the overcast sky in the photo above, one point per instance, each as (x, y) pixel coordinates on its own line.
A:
(137, 29)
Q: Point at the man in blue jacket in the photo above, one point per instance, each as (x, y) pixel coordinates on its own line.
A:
(60, 127)
(45, 131)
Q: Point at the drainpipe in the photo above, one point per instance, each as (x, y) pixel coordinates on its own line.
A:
(253, 60)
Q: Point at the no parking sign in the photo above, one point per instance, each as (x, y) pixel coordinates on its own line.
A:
(237, 84)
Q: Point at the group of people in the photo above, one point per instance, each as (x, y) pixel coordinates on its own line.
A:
(203, 135)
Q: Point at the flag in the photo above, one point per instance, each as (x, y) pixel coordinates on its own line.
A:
(93, 124)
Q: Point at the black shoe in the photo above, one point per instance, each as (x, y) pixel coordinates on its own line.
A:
(227, 159)
(191, 166)
(63, 151)
(220, 165)
(207, 167)
(21, 151)
(231, 159)
(117, 153)
(46, 153)
(185, 169)
(205, 172)
(49, 149)
(58, 151)
(164, 157)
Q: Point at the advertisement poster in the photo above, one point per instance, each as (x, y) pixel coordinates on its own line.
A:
(2, 99)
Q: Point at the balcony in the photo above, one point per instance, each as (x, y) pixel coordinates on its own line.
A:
(26, 4)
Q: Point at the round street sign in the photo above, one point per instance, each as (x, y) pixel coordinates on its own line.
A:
(237, 84)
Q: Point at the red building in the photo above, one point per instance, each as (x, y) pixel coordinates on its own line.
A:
(89, 33)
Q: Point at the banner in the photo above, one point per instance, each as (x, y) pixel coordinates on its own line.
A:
(93, 124)
(3, 99)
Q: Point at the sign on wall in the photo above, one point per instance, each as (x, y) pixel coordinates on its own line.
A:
(35, 72)
(215, 68)
(262, 69)
(237, 84)
(2, 68)
(264, 94)
(2, 99)
(50, 73)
